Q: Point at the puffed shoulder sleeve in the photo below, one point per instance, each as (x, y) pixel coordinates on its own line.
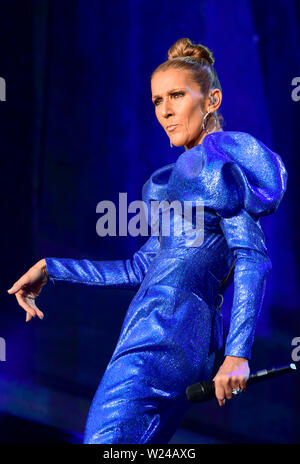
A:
(127, 273)
(254, 180)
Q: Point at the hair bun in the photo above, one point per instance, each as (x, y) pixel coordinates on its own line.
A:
(186, 48)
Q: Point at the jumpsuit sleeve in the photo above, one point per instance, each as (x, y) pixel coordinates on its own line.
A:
(253, 181)
(127, 273)
(252, 265)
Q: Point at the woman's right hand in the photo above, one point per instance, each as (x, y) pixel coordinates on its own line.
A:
(28, 287)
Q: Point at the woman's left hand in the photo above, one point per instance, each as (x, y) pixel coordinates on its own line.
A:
(233, 374)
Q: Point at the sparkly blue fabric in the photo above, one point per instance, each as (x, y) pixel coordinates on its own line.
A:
(173, 326)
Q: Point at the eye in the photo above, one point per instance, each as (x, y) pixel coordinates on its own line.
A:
(175, 94)
(178, 93)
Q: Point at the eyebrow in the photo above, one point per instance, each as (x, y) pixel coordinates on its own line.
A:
(170, 91)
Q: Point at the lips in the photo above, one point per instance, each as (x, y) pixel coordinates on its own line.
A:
(172, 127)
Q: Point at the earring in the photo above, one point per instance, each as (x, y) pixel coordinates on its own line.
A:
(171, 145)
(204, 128)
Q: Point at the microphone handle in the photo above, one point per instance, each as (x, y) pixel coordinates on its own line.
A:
(204, 391)
(266, 374)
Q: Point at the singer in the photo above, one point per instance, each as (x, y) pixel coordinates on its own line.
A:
(173, 326)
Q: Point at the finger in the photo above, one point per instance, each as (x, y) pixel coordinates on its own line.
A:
(39, 312)
(219, 392)
(28, 317)
(31, 301)
(243, 383)
(25, 305)
(223, 387)
(221, 402)
(227, 388)
(235, 382)
(18, 284)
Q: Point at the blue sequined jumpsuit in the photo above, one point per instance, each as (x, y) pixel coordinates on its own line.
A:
(173, 326)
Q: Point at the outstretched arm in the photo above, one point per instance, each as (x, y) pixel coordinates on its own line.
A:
(127, 273)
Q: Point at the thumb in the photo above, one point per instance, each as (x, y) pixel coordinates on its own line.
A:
(13, 289)
(16, 287)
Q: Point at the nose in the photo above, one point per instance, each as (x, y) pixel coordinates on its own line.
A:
(166, 108)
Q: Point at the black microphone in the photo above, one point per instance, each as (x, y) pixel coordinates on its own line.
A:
(204, 391)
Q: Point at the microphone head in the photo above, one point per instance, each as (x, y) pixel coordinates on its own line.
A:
(194, 392)
(201, 391)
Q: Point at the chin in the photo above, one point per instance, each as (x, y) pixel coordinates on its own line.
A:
(178, 142)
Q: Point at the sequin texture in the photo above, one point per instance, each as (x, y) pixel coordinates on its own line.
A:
(173, 328)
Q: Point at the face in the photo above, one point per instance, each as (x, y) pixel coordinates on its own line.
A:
(178, 101)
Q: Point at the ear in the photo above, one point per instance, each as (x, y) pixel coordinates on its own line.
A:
(215, 100)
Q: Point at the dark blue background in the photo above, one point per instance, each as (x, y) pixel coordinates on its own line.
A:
(78, 127)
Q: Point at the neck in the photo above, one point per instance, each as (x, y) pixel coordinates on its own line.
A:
(200, 139)
(212, 126)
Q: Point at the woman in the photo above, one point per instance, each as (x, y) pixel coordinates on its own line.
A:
(172, 328)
